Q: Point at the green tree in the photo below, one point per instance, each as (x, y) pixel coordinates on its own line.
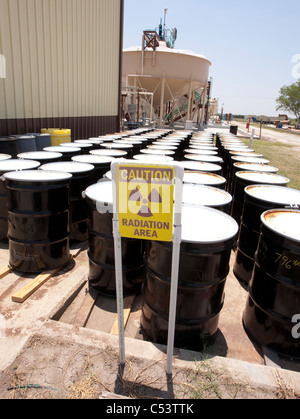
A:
(289, 99)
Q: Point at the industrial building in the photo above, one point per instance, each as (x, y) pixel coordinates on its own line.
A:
(63, 66)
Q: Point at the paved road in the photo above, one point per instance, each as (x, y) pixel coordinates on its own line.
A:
(275, 136)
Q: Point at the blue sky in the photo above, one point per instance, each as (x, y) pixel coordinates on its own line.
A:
(250, 44)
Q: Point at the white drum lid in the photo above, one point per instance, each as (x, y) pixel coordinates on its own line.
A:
(101, 194)
(61, 149)
(166, 143)
(178, 139)
(68, 167)
(201, 157)
(137, 138)
(162, 147)
(112, 153)
(203, 147)
(203, 178)
(209, 141)
(40, 155)
(93, 159)
(286, 223)
(206, 225)
(239, 148)
(201, 151)
(256, 167)
(204, 195)
(95, 140)
(148, 158)
(5, 157)
(250, 159)
(128, 141)
(245, 154)
(275, 194)
(113, 136)
(14, 165)
(89, 142)
(261, 177)
(157, 152)
(78, 145)
(37, 176)
(201, 166)
(116, 145)
(201, 144)
(106, 139)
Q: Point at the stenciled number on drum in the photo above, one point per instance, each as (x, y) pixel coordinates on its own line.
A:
(286, 262)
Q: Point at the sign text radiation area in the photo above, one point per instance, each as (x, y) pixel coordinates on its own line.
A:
(145, 202)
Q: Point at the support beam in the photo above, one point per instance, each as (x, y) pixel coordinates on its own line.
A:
(162, 100)
(203, 105)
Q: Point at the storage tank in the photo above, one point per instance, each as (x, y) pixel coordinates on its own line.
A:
(168, 74)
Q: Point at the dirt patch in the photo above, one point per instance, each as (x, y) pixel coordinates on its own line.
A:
(56, 369)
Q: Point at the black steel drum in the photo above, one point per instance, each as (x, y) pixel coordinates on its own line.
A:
(195, 194)
(6, 166)
(246, 178)
(38, 220)
(251, 167)
(101, 246)
(258, 199)
(82, 178)
(274, 291)
(137, 145)
(101, 164)
(243, 159)
(67, 152)
(85, 147)
(207, 239)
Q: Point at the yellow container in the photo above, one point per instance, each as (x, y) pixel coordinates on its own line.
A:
(58, 136)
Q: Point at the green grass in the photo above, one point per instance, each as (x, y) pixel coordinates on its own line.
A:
(283, 156)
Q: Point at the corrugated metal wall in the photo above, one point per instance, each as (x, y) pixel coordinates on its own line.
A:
(62, 65)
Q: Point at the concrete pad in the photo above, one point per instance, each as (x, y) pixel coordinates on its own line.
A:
(30, 340)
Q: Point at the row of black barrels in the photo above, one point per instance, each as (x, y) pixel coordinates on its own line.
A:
(268, 251)
(39, 204)
(268, 191)
(157, 318)
(89, 168)
(37, 151)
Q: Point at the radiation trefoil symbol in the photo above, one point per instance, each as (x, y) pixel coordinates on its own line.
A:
(145, 210)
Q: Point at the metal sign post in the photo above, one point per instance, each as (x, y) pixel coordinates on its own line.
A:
(143, 206)
(175, 266)
(118, 270)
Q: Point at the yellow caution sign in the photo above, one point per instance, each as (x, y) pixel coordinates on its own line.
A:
(145, 201)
